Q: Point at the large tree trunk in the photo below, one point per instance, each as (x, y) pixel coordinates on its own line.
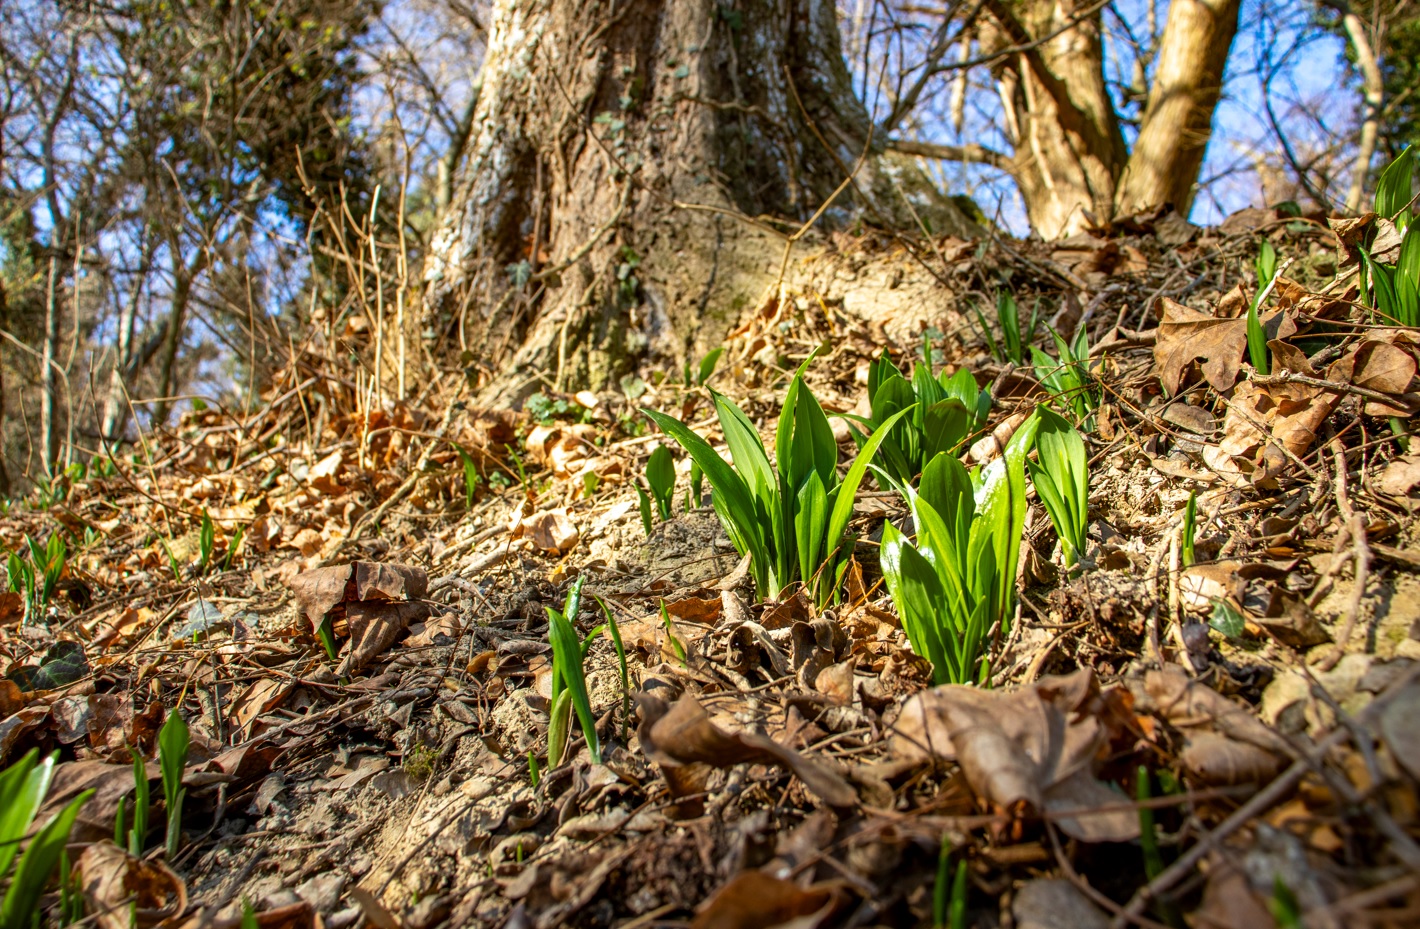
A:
(624, 173)
(1069, 156)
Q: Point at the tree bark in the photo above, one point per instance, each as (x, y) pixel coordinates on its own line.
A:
(1068, 147)
(1178, 118)
(1069, 159)
(49, 388)
(624, 171)
(1374, 95)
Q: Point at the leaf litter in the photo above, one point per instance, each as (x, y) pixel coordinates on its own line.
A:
(770, 763)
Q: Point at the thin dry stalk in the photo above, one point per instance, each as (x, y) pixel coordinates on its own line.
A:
(1360, 556)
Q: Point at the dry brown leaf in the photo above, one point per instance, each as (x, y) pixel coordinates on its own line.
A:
(1225, 743)
(261, 697)
(1384, 363)
(1400, 476)
(321, 590)
(111, 783)
(371, 602)
(1400, 726)
(1229, 902)
(12, 698)
(1187, 335)
(552, 531)
(1195, 419)
(12, 608)
(1290, 413)
(17, 724)
(697, 609)
(375, 625)
(681, 736)
(446, 628)
(562, 448)
(1055, 903)
(1200, 585)
(755, 900)
(1034, 747)
(109, 878)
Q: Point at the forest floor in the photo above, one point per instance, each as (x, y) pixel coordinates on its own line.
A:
(1231, 743)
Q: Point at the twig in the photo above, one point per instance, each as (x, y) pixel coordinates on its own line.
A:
(1361, 556)
(1288, 377)
(1263, 800)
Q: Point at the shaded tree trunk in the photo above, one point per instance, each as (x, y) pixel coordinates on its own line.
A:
(624, 172)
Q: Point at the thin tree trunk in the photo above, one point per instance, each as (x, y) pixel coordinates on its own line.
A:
(49, 428)
(4, 470)
(1178, 118)
(115, 418)
(1069, 158)
(172, 338)
(1374, 95)
(184, 276)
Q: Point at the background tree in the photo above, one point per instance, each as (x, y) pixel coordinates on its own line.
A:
(1068, 155)
(160, 158)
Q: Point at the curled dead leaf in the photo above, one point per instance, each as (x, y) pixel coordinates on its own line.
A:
(1225, 743)
(552, 531)
(1200, 585)
(755, 900)
(1187, 335)
(1290, 414)
(681, 736)
(372, 603)
(1400, 476)
(109, 878)
(1034, 747)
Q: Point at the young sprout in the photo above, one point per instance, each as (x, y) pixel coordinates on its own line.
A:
(1008, 319)
(23, 786)
(1190, 527)
(671, 636)
(1061, 479)
(173, 742)
(470, 477)
(1068, 379)
(206, 539)
(959, 580)
(1266, 270)
(233, 546)
(648, 518)
(946, 412)
(569, 682)
(615, 631)
(949, 893)
(790, 517)
(660, 477)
